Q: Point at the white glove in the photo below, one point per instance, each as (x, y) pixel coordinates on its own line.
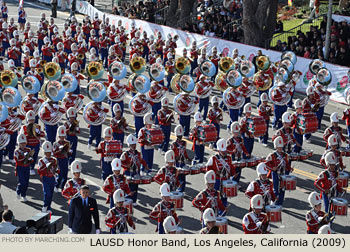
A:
(48, 164)
(272, 203)
(25, 153)
(70, 231)
(61, 147)
(258, 224)
(98, 231)
(55, 106)
(319, 219)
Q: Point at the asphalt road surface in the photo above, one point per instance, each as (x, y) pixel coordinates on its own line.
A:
(295, 204)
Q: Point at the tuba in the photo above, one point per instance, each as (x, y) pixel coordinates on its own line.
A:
(275, 95)
(53, 90)
(247, 68)
(101, 115)
(262, 82)
(8, 78)
(174, 83)
(289, 55)
(138, 65)
(324, 76)
(207, 68)
(315, 65)
(184, 104)
(186, 83)
(234, 78)
(54, 120)
(10, 96)
(205, 92)
(52, 71)
(118, 92)
(117, 70)
(3, 112)
(96, 91)
(220, 82)
(182, 65)
(95, 70)
(141, 83)
(263, 62)
(226, 64)
(69, 82)
(139, 105)
(157, 72)
(232, 98)
(31, 84)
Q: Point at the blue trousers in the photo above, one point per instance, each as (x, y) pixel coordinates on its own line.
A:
(120, 137)
(106, 169)
(265, 137)
(166, 130)
(276, 188)
(279, 110)
(1, 155)
(199, 153)
(23, 180)
(249, 144)
(247, 100)
(10, 148)
(95, 133)
(260, 93)
(40, 45)
(147, 155)
(161, 228)
(234, 113)
(73, 143)
(194, 65)
(51, 131)
(223, 199)
(348, 128)
(133, 187)
(299, 139)
(138, 124)
(35, 157)
(145, 53)
(62, 176)
(121, 104)
(185, 122)
(204, 105)
(48, 187)
(168, 79)
(47, 58)
(182, 178)
(319, 115)
(104, 56)
(217, 127)
(290, 103)
(156, 106)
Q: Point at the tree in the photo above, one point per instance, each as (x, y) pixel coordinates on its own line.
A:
(259, 21)
(179, 10)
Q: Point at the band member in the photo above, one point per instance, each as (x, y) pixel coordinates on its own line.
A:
(209, 222)
(209, 197)
(47, 169)
(215, 116)
(334, 129)
(198, 144)
(72, 187)
(320, 96)
(279, 110)
(256, 222)
(165, 118)
(23, 158)
(170, 69)
(140, 104)
(159, 45)
(221, 164)
(326, 181)
(346, 118)
(286, 133)
(163, 209)
(168, 174)
(248, 137)
(179, 148)
(94, 114)
(47, 50)
(72, 129)
(147, 149)
(131, 163)
(265, 111)
(333, 147)
(169, 225)
(115, 181)
(186, 102)
(118, 124)
(204, 85)
(309, 105)
(156, 88)
(51, 111)
(194, 57)
(33, 134)
(262, 185)
(315, 218)
(61, 150)
(296, 133)
(278, 164)
(13, 53)
(118, 217)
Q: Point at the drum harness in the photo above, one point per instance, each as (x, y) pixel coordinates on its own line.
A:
(225, 171)
(280, 168)
(212, 200)
(239, 150)
(265, 189)
(121, 223)
(181, 149)
(134, 161)
(172, 177)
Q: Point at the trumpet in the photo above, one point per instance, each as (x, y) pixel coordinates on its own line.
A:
(39, 70)
(19, 69)
(42, 63)
(81, 56)
(72, 128)
(29, 155)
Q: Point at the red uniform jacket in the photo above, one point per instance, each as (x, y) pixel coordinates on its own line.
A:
(250, 221)
(132, 161)
(165, 116)
(70, 100)
(288, 137)
(20, 156)
(277, 162)
(43, 165)
(57, 149)
(222, 167)
(338, 131)
(72, 187)
(33, 140)
(167, 175)
(265, 111)
(115, 125)
(208, 198)
(326, 180)
(215, 115)
(93, 112)
(262, 187)
(339, 159)
(235, 146)
(117, 217)
(313, 220)
(346, 116)
(162, 210)
(74, 132)
(47, 51)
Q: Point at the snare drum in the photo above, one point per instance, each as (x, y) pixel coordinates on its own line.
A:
(221, 222)
(345, 151)
(242, 163)
(343, 179)
(256, 126)
(178, 199)
(128, 205)
(203, 168)
(307, 123)
(154, 136)
(179, 230)
(184, 170)
(195, 170)
(309, 153)
(289, 182)
(303, 155)
(207, 133)
(251, 162)
(229, 188)
(146, 179)
(340, 206)
(293, 156)
(134, 180)
(274, 213)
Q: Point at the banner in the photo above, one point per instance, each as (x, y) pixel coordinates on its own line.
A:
(339, 73)
(340, 18)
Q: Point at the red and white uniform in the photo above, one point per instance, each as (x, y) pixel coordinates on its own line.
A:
(71, 99)
(51, 111)
(47, 51)
(57, 151)
(222, 167)
(265, 111)
(235, 147)
(337, 131)
(308, 104)
(113, 183)
(155, 90)
(132, 161)
(93, 113)
(208, 198)
(20, 156)
(204, 87)
(250, 221)
(71, 132)
(72, 187)
(262, 187)
(313, 220)
(119, 217)
(115, 125)
(215, 59)
(162, 210)
(194, 54)
(164, 116)
(179, 148)
(32, 140)
(278, 160)
(140, 103)
(168, 175)
(288, 137)
(338, 158)
(326, 180)
(44, 171)
(215, 115)
(170, 67)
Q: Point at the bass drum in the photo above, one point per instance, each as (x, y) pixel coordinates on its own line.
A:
(276, 97)
(233, 99)
(184, 104)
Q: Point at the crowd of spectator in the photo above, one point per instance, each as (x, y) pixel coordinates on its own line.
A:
(311, 44)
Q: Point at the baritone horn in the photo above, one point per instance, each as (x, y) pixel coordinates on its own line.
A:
(263, 62)
(226, 64)
(8, 78)
(182, 65)
(52, 71)
(138, 65)
(95, 70)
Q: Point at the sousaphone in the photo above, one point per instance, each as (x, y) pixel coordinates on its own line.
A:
(69, 82)
(247, 68)
(30, 84)
(182, 65)
(138, 64)
(315, 65)
(96, 91)
(95, 70)
(8, 78)
(184, 104)
(207, 68)
(263, 62)
(276, 96)
(220, 82)
(157, 72)
(10, 96)
(233, 99)
(139, 105)
(52, 71)
(324, 76)
(226, 64)
(117, 70)
(101, 116)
